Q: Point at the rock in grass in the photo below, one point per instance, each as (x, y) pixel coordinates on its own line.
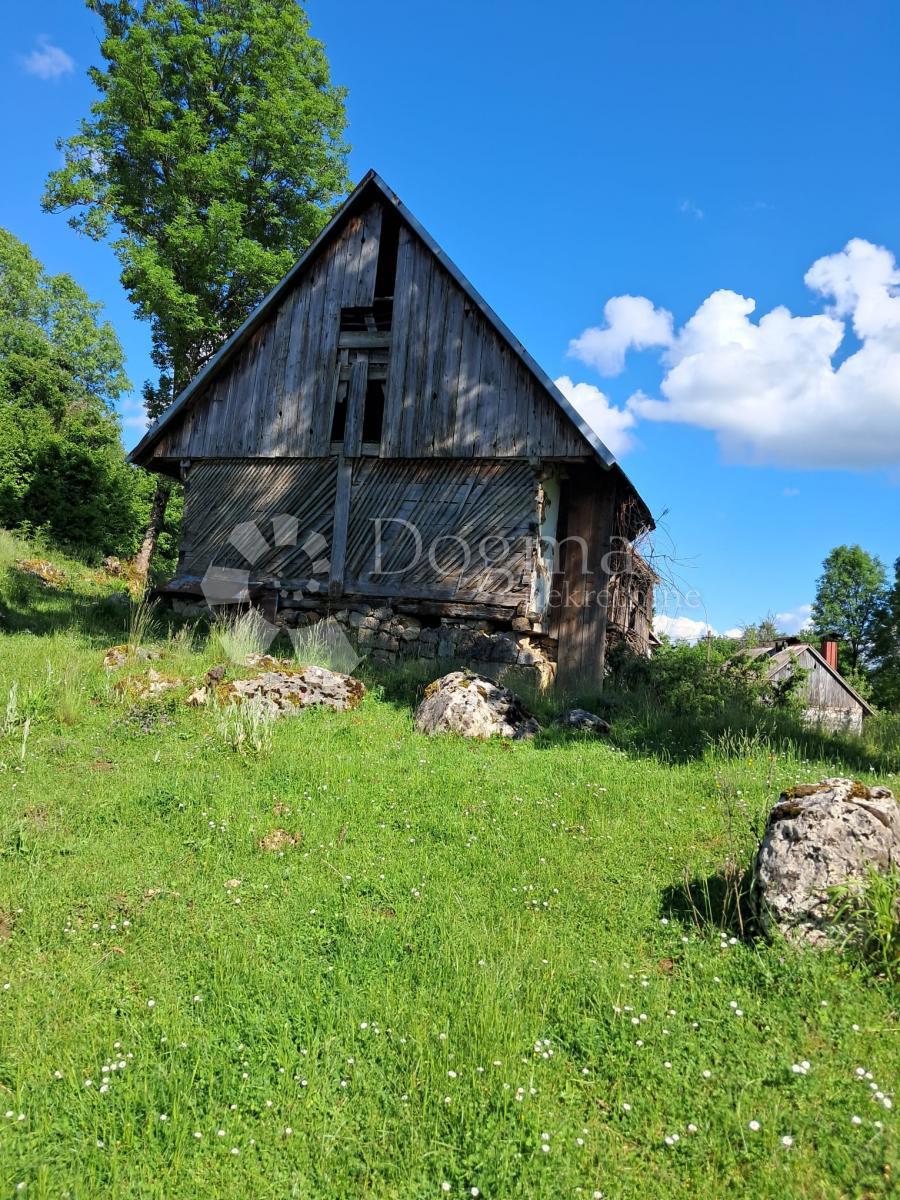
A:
(279, 840)
(817, 838)
(50, 576)
(118, 656)
(579, 719)
(474, 707)
(286, 691)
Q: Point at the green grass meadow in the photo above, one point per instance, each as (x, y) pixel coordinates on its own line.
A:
(506, 970)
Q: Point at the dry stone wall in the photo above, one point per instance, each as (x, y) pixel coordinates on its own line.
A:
(388, 636)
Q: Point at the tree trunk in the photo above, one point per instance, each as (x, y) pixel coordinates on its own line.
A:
(154, 525)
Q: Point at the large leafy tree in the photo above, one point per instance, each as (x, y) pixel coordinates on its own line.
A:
(849, 596)
(886, 647)
(212, 157)
(62, 466)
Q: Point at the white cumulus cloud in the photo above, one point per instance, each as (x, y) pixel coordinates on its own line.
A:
(771, 390)
(133, 418)
(47, 61)
(612, 425)
(681, 629)
(795, 620)
(631, 323)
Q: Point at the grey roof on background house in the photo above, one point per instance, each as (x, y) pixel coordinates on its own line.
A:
(786, 656)
(369, 183)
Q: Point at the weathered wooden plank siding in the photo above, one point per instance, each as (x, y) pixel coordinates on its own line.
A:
(226, 493)
(488, 507)
(473, 522)
(280, 387)
(454, 388)
(822, 689)
(581, 607)
(480, 401)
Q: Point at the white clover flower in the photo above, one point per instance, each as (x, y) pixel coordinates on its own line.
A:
(755, 1126)
(854, 1120)
(787, 1141)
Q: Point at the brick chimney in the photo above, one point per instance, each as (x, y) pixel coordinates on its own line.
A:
(829, 649)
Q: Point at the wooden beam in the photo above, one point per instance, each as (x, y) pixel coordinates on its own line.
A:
(581, 619)
(356, 401)
(339, 528)
(358, 340)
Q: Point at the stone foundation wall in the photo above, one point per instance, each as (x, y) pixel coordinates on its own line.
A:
(388, 636)
(835, 720)
(493, 647)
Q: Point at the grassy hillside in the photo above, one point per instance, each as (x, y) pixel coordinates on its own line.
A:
(483, 969)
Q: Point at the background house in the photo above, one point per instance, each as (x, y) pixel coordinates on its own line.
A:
(374, 444)
(829, 700)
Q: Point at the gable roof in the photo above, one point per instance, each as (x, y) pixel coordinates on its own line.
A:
(786, 656)
(370, 186)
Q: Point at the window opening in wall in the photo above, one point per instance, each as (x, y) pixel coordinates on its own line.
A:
(373, 413)
(386, 268)
(375, 318)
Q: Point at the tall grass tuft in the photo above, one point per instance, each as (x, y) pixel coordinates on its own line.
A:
(11, 715)
(238, 635)
(323, 644)
(247, 726)
(143, 623)
(69, 700)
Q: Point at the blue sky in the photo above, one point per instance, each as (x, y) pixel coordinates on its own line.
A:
(689, 153)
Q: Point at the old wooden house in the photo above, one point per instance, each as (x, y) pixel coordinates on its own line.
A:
(828, 699)
(374, 443)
